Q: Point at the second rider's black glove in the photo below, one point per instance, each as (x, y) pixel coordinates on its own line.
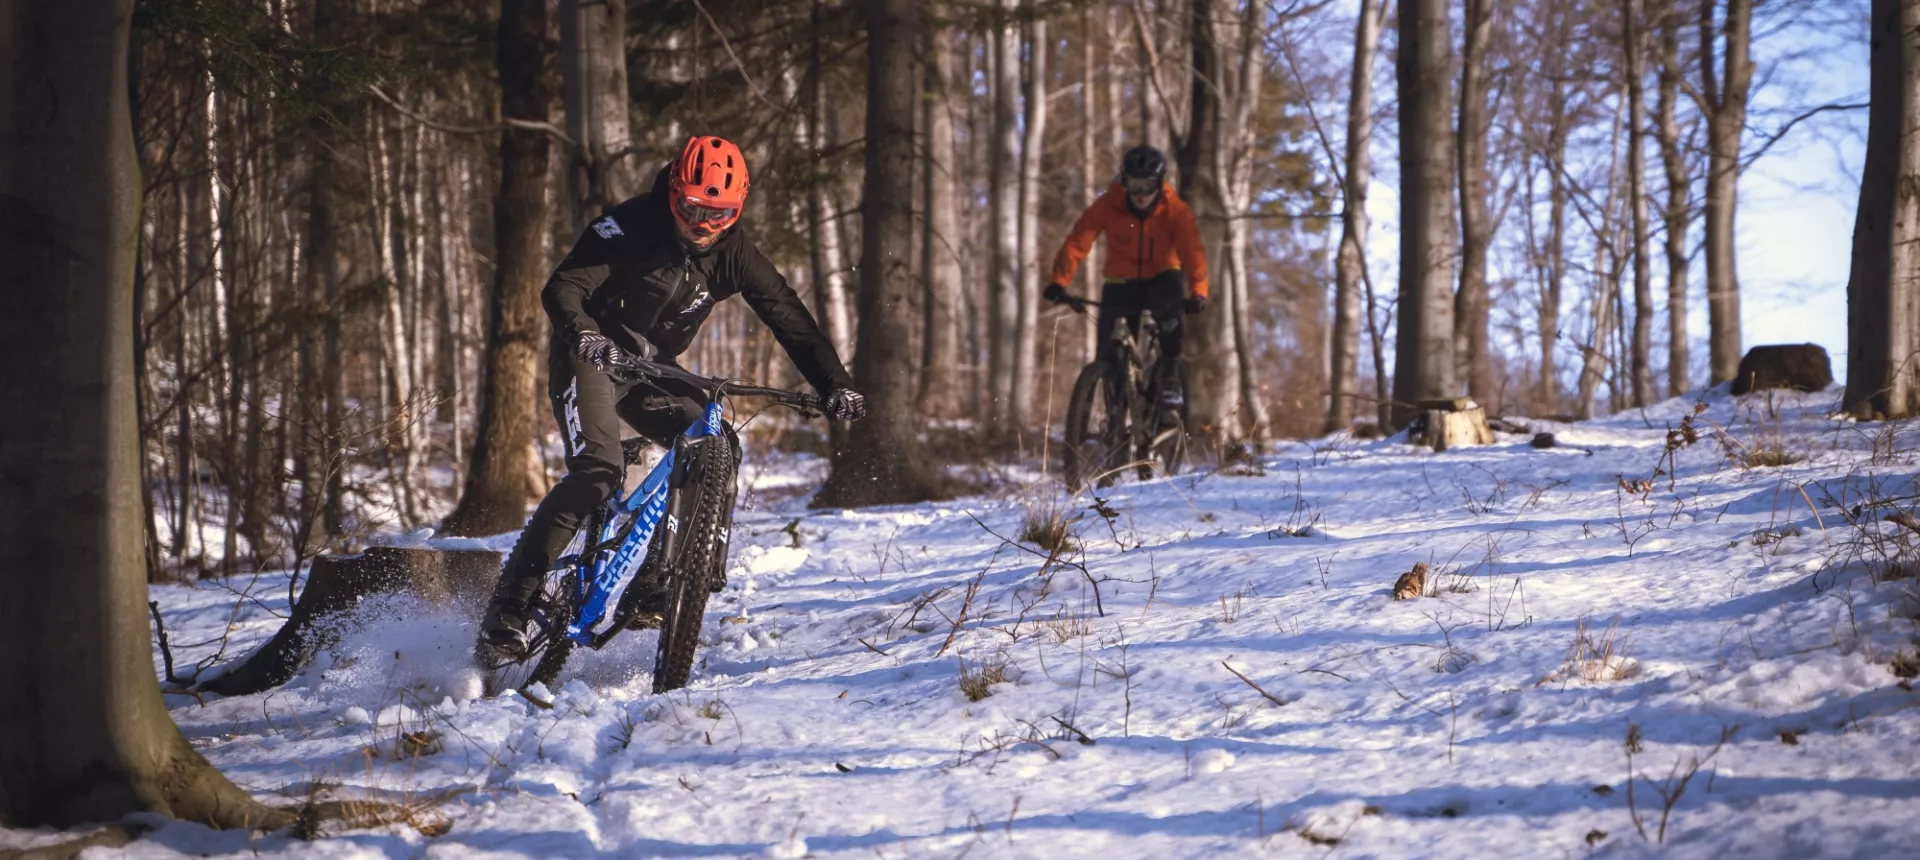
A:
(1196, 304)
(1058, 295)
(594, 348)
(846, 404)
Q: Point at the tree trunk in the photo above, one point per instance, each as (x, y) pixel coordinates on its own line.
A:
(1883, 288)
(1003, 201)
(882, 462)
(1090, 186)
(1476, 228)
(1635, 49)
(1423, 359)
(1212, 364)
(829, 276)
(86, 737)
(1350, 264)
(940, 242)
(1676, 211)
(1723, 95)
(1026, 369)
(1553, 257)
(495, 499)
(593, 64)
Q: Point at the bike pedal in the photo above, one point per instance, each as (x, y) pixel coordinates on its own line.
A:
(645, 621)
(718, 584)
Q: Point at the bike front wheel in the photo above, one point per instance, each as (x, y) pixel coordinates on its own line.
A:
(1095, 443)
(702, 553)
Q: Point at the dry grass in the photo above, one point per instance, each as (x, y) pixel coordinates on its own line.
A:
(1596, 655)
(977, 679)
(1067, 626)
(1046, 521)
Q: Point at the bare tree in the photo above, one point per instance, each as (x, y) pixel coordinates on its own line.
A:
(1423, 360)
(1722, 96)
(1003, 201)
(828, 275)
(1350, 264)
(939, 244)
(1677, 213)
(499, 476)
(86, 737)
(1471, 303)
(1883, 288)
(593, 64)
(1026, 371)
(882, 462)
(1634, 47)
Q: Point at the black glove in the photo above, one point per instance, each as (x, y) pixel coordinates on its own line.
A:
(593, 348)
(1196, 304)
(846, 404)
(1058, 295)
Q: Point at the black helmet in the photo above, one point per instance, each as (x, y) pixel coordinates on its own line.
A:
(1142, 162)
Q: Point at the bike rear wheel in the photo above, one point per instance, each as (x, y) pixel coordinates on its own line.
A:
(548, 645)
(709, 495)
(1094, 445)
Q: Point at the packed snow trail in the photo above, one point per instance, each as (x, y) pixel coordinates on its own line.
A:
(1251, 688)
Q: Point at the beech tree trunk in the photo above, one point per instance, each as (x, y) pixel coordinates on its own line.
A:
(940, 244)
(497, 489)
(1026, 363)
(84, 737)
(1675, 214)
(593, 65)
(1350, 262)
(1883, 287)
(829, 276)
(1635, 50)
(882, 461)
(1423, 360)
(1476, 228)
(1552, 256)
(1003, 203)
(1723, 98)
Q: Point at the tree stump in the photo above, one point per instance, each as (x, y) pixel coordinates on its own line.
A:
(337, 583)
(1452, 423)
(1798, 366)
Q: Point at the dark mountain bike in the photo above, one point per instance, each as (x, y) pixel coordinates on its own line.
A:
(623, 572)
(1115, 418)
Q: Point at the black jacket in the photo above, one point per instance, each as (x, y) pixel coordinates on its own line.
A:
(630, 278)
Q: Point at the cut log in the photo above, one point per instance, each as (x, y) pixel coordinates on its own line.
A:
(337, 583)
(1798, 366)
(1455, 422)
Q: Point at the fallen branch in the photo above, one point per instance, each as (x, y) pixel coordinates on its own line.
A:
(166, 649)
(1256, 687)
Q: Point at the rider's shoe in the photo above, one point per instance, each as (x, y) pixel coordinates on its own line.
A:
(1172, 395)
(504, 629)
(719, 582)
(650, 612)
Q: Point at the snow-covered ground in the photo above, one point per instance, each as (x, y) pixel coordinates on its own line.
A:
(1216, 668)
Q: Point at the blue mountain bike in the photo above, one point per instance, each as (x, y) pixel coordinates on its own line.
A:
(622, 571)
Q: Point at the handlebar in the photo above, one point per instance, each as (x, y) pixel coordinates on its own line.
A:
(635, 369)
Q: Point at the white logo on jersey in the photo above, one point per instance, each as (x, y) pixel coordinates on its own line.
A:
(607, 228)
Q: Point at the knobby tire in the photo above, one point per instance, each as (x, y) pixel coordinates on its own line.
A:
(1090, 444)
(697, 564)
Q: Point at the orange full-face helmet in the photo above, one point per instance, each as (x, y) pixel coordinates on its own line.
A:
(708, 185)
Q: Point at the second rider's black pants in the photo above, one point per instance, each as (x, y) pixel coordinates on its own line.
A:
(589, 405)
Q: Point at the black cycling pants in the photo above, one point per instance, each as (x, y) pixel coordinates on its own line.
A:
(1165, 294)
(589, 405)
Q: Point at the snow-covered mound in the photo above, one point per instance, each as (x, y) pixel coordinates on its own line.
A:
(1215, 666)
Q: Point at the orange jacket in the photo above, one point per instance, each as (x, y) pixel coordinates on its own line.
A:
(1167, 239)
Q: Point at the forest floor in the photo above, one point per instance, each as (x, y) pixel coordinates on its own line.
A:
(1709, 663)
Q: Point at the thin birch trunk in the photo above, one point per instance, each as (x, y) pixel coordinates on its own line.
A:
(1350, 261)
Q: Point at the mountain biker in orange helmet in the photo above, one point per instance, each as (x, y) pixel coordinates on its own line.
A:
(1153, 256)
(639, 282)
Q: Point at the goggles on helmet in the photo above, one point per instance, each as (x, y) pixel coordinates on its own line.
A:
(704, 218)
(1140, 186)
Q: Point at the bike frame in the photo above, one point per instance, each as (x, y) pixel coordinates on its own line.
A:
(605, 577)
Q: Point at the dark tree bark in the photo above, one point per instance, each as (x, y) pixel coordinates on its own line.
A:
(495, 499)
(1471, 311)
(594, 75)
(84, 736)
(1883, 298)
(1423, 360)
(882, 461)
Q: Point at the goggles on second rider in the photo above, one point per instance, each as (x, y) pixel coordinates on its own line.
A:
(1141, 186)
(709, 218)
